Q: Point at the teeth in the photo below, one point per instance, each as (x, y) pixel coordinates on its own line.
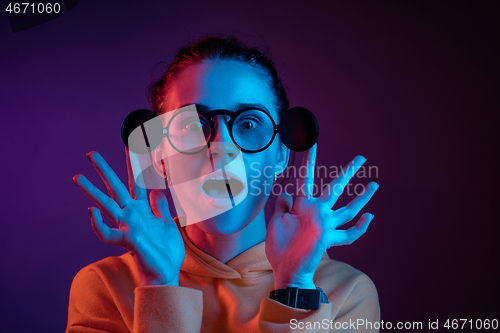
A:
(219, 178)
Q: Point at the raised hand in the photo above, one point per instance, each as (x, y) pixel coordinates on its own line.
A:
(150, 234)
(300, 232)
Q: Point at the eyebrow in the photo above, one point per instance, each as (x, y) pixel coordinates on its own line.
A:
(236, 107)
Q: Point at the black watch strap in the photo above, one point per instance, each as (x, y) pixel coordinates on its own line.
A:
(300, 298)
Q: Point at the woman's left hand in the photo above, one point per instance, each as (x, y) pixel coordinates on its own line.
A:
(300, 232)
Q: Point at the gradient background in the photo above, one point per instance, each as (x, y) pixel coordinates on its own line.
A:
(413, 87)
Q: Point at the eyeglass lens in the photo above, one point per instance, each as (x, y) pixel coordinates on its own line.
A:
(253, 130)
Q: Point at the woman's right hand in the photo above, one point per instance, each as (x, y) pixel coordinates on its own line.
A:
(150, 234)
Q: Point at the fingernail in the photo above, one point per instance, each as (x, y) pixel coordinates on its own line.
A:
(375, 185)
(360, 159)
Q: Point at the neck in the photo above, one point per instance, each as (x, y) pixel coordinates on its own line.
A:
(226, 247)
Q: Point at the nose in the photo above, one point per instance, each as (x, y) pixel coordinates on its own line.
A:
(222, 147)
(221, 129)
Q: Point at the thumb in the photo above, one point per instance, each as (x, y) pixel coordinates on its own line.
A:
(159, 205)
(283, 205)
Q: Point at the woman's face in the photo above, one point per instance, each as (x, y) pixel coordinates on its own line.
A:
(200, 180)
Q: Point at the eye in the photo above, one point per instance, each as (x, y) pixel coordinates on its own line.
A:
(248, 123)
(193, 125)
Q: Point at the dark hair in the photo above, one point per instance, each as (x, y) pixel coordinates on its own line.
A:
(218, 48)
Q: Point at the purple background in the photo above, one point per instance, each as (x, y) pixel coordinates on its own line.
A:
(412, 87)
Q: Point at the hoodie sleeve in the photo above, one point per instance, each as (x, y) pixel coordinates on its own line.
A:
(353, 307)
(94, 306)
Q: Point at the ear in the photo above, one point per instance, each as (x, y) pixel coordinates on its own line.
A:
(282, 158)
(157, 157)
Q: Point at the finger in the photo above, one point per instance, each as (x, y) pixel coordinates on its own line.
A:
(136, 192)
(159, 205)
(335, 188)
(105, 233)
(347, 237)
(347, 213)
(115, 187)
(306, 182)
(105, 203)
(284, 204)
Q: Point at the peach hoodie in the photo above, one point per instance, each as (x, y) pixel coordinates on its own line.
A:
(214, 297)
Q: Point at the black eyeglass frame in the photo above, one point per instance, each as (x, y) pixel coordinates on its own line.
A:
(232, 117)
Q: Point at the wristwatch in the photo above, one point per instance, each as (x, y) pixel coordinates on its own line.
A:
(300, 298)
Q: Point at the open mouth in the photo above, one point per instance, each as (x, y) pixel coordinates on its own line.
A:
(220, 187)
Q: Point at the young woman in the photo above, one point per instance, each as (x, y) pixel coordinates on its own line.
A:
(228, 272)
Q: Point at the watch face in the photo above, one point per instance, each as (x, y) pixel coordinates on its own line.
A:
(309, 299)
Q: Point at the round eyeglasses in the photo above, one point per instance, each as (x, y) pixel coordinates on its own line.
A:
(190, 131)
(251, 129)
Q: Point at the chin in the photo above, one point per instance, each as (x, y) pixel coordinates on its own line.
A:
(232, 220)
